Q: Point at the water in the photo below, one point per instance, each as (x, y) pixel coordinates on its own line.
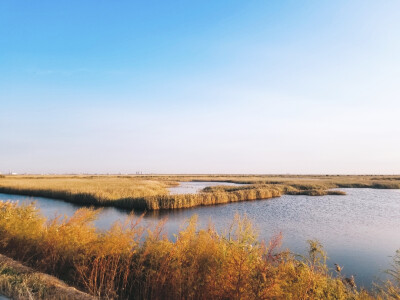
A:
(360, 231)
(194, 187)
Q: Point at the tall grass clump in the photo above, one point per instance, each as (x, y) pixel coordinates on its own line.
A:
(130, 261)
(210, 198)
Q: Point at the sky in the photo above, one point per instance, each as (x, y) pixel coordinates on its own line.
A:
(253, 87)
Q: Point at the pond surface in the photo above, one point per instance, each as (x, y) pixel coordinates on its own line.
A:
(360, 231)
(193, 187)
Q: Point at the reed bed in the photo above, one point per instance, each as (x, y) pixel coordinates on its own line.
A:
(133, 262)
(128, 193)
(148, 203)
(101, 187)
(151, 192)
(325, 181)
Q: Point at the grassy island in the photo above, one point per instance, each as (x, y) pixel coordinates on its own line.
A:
(151, 192)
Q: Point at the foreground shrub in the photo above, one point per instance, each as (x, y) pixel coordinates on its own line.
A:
(130, 261)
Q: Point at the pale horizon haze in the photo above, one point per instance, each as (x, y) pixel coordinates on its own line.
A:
(254, 87)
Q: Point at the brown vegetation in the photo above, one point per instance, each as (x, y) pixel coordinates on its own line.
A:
(20, 282)
(126, 263)
(151, 193)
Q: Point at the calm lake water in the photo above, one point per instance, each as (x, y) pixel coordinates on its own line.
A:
(194, 187)
(360, 231)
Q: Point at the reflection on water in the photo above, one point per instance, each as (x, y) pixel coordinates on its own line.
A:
(360, 231)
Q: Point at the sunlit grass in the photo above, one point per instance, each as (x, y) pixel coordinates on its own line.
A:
(130, 261)
(151, 192)
(20, 282)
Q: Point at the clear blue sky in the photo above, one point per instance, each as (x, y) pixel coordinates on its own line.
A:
(200, 86)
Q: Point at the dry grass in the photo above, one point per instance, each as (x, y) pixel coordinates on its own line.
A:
(151, 193)
(123, 263)
(101, 187)
(373, 181)
(20, 282)
(125, 192)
